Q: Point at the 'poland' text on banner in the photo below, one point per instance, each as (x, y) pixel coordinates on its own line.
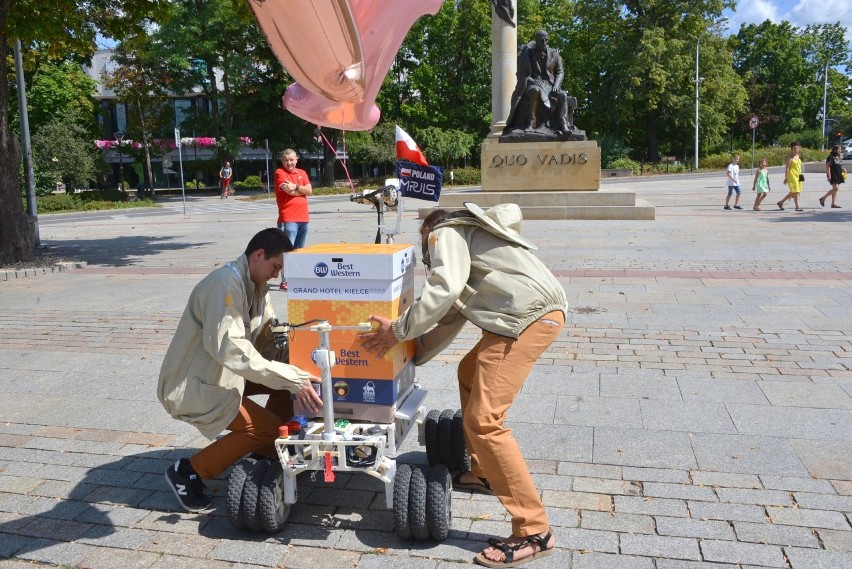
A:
(421, 182)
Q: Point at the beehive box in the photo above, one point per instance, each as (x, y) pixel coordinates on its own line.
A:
(345, 284)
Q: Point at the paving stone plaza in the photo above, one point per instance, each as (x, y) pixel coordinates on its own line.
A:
(696, 412)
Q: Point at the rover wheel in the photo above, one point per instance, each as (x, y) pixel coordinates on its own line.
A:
(273, 511)
(460, 453)
(236, 482)
(433, 452)
(400, 501)
(251, 493)
(445, 435)
(417, 503)
(439, 502)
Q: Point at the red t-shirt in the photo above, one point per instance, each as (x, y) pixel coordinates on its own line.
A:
(291, 208)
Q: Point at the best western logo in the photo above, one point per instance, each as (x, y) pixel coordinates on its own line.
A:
(321, 269)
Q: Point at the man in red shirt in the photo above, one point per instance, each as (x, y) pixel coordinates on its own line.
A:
(292, 188)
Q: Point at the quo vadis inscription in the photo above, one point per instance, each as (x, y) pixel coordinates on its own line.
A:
(563, 159)
(537, 166)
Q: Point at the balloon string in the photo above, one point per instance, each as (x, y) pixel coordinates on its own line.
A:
(333, 149)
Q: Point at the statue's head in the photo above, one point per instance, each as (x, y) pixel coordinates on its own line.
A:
(541, 39)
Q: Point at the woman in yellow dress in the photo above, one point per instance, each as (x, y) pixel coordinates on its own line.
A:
(793, 176)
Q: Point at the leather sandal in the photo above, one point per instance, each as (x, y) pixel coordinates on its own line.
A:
(509, 551)
(481, 487)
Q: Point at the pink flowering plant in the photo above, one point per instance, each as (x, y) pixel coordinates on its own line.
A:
(169, 144)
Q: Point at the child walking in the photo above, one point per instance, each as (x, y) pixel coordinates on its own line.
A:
(793, 177)
(836, 174)
(733, 179)
(760, 184)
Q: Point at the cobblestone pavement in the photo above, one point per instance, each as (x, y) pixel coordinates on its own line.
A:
(696, 412)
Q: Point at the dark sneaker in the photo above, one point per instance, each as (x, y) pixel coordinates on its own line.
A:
(738, 207)
(727, 207)
(188, 489)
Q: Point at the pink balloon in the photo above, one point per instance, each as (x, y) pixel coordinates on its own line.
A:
(382, 26)
(317, 42)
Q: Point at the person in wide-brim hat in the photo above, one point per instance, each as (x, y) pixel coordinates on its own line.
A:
(482, 270)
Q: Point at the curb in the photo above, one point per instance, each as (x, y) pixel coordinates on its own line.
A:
(13, 274)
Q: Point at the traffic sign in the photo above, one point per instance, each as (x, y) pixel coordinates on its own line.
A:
(753, 122)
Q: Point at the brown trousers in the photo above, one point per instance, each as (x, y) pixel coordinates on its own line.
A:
(254, 429)
(490, 377)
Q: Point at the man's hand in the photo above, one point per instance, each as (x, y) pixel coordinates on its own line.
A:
(308, 397)
(381, 339)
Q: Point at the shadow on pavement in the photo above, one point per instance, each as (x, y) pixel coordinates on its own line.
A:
(118, 251)
(126, 503)
(809, 215)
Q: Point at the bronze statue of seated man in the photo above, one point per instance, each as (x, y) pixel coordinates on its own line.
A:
(541, 110)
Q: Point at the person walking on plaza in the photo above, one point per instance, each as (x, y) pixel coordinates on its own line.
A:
(836, 174)
(733, 179)
(220, 355)
(225, 174)
(793, 177)
(292, 188)
(761, 183)
(481, 270)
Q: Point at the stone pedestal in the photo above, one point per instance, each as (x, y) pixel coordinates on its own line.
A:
(540, 166)
(548, 180)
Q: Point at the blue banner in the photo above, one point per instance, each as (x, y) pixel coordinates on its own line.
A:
(421, 182)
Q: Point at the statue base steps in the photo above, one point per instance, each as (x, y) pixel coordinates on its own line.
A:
(589, 205)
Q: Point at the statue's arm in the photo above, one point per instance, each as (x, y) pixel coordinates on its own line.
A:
(558, 73)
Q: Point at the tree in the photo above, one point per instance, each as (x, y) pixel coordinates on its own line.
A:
(442, 74)
(60, 88)
(632, 66)
(374, 147)
(145, 86)
(63, 151)
(783, 68)
(446, 147)
(60, 27)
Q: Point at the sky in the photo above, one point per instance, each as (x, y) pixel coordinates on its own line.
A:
(800, 13)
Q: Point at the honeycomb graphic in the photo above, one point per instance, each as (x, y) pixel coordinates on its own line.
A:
(349, 313)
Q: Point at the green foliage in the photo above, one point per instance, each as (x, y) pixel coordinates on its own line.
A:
(612, 148)
(88, 201)
(632, 67)
(250, 182)
(57, 202)
(811, 138)
(775, 156)
(464, 177)
(783, 70)
(60, 89)
(374, 147)
(62, 151)
(664, 168)
(441, 76)
(446, 146)
(625, 163)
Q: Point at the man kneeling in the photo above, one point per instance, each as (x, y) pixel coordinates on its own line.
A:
(219, 356)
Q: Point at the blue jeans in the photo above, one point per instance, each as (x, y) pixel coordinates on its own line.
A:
(297, 232)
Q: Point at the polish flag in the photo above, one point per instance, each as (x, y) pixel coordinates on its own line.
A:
(407, 149)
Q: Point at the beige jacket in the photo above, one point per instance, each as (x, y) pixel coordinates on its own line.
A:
(482, 275)
(221, 343)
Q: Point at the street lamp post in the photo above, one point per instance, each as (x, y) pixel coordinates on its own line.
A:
(824, 106)
(119, 136)
(698, 81)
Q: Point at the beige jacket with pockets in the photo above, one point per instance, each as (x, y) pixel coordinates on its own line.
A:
(220, 343)
(477, 276)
